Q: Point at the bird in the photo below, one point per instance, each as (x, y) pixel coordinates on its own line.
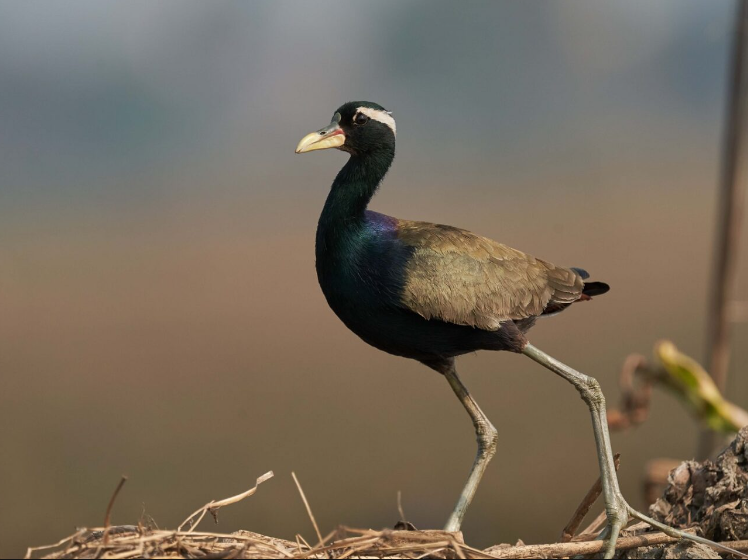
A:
(433, 292)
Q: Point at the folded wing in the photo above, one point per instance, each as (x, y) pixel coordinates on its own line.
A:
(462, 278)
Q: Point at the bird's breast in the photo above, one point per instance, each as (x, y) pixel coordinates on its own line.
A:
(361, 273)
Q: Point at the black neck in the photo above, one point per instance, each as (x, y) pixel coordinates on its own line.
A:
(355, 186)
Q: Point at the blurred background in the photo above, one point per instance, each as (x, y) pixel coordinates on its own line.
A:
(159, 310)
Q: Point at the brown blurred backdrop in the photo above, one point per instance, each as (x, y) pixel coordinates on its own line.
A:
(159, 310)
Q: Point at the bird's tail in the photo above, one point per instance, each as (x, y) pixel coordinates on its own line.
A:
(591, 288)
(595, 288)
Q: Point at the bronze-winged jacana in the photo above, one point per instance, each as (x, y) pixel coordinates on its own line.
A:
(432, 292)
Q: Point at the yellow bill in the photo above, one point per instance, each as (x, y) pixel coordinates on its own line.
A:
(330, 137)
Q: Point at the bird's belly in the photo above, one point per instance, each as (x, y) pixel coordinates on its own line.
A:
(404, 333)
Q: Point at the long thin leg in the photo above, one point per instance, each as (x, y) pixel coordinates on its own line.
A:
(487, 438)
(618, 511)
(592, 395)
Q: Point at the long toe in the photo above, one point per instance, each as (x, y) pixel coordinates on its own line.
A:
(619, 515)
(719, 547)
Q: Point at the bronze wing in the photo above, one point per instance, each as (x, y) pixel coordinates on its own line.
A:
(463, 278)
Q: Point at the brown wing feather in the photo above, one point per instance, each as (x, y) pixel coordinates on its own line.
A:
(463, 278)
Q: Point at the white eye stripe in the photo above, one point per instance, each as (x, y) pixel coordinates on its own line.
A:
(382, 116)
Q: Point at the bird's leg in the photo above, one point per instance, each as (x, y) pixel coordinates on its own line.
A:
(617, 509)
(592, 395)
(487, 438)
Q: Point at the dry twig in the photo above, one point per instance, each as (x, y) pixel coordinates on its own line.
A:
(584, 507)
(108, 516)
(567, 550)
(308, 509)
(400, 507)
(214, 506)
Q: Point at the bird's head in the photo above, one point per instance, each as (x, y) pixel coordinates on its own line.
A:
(358, 127)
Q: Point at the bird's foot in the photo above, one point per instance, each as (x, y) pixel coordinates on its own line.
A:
(620, 512)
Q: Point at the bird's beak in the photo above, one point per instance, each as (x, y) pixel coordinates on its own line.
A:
(329, 137)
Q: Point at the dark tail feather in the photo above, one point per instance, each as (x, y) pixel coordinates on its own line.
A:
(595, 288)
(591, 288)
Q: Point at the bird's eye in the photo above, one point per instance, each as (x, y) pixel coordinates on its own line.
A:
(360, 118)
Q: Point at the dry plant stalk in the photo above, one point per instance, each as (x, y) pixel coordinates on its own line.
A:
(584, 507)
(214, 506)
(733, 173)
(108, 516)
(308, 508)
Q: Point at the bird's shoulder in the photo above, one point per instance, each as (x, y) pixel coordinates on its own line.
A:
(460, 277)
(446, 240)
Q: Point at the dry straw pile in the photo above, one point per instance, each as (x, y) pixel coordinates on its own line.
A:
(710, 499)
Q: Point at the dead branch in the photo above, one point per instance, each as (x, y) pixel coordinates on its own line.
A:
(730, 210)
(567, 550)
